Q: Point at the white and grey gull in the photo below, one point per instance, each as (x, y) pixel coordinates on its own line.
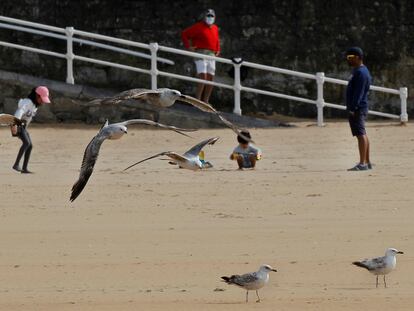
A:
(380, 265)
(189, 160)
(108, 131)
(165, 97)
(251, 281)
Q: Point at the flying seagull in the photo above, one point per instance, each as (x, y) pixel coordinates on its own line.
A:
(189, 160)
(380, 265)
(164, 98)
(8, 119)
(107, 131)
(251, 281)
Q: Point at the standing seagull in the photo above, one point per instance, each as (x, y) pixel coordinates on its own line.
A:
(8, 119)
(107, 131)
(380, 265)
(251, 281)
(164, 98)
(189, 160)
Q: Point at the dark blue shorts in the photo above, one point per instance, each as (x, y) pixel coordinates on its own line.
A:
(357, 123)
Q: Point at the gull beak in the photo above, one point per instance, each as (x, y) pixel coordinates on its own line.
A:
(274, 270)
(399, 252)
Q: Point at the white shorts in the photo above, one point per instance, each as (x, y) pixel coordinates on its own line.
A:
(205, 66)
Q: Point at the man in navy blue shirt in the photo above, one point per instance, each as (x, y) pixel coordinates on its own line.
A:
(357, 104)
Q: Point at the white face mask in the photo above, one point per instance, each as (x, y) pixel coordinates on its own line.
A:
(210, 20)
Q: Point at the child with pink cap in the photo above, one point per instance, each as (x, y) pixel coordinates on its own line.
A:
(26, 110)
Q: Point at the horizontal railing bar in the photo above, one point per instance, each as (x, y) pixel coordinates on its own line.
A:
(106, 63)
(382, 114)
(253, 90)
(111, 39)
(373, 87)
(280, 70)
(22, 47)
(31, 24)
(92, 43)
(38, 32)
(194, 54)
(121, 50)
(185, 78)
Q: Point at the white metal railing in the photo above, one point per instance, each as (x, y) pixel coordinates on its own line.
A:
(69, 34)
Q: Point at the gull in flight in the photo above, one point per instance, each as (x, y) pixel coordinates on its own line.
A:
(380, 265)
(108, 131)
(189, 160)
(164, 98)
(251, 281)
(8, 119)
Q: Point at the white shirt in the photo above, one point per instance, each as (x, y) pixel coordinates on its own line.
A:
(26, 110)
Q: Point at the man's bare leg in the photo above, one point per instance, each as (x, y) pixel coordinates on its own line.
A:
(207, 88)
(201, 86)
(363, 148)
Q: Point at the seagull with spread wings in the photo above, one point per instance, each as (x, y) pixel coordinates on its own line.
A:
(108, 131)
(8, 119)
(164, 98)
(189, 160)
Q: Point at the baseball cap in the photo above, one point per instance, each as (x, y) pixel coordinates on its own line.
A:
(43, 92)
(355, 50)
(209, 12)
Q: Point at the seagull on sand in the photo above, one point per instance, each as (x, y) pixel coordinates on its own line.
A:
(380, 265)
(108, 131)
(8, 119)
(251, 281)
(164, 98)
(189, 160)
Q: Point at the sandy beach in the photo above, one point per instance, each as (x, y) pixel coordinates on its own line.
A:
(159, 238)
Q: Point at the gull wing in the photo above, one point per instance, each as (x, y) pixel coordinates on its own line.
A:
(194, 151)
(153, 123)
(89, 159)
(132, 94)
(208, 108)
(170, 154)
(241, 280)
(372, 264)
(8, 119)
(146, 159)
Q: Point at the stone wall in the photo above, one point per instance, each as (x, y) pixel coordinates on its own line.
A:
(307, 36)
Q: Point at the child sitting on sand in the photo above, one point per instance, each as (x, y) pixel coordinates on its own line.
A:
(245, 153)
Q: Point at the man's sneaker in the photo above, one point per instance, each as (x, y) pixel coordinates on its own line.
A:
(370, 166)
(359, 167)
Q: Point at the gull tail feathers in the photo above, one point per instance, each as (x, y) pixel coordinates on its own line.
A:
(360, 264)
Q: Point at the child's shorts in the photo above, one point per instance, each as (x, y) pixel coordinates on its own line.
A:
(246, 161)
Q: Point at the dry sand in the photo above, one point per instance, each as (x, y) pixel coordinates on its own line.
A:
(159, 238)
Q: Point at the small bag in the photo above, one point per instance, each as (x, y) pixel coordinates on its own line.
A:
(18, 130)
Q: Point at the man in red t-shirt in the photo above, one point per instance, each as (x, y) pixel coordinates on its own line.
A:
(203, 37)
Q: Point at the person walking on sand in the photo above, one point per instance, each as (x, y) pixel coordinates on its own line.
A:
(203, 37)
(26, 110)
(357, 105)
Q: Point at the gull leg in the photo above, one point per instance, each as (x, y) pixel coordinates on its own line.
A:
(377, 282)
(385, 283)
(257, 294)
(247, 296)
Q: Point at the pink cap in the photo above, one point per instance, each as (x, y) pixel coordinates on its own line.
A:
(43, 92)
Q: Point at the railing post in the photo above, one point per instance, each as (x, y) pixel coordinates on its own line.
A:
(237, 62)
(403, 97)
(320, 102)
(154, 70)
(69, 55)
